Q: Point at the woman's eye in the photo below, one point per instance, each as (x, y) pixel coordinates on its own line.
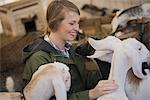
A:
(71, 23)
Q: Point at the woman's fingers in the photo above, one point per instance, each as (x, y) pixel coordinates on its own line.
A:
(103, 87)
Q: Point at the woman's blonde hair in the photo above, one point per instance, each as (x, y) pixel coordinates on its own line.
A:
(56, 13)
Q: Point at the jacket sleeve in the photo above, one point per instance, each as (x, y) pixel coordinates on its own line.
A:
(83, 95)
(92, 79)
(33, 63)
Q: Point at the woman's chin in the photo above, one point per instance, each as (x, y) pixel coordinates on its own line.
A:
(71, 38)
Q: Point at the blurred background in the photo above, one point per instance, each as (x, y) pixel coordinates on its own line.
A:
(22, 21)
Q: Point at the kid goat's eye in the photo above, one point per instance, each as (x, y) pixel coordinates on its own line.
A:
(140, 48)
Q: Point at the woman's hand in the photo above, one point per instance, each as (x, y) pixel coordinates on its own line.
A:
(103, 87)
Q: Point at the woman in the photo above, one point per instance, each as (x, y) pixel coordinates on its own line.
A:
(63, 18)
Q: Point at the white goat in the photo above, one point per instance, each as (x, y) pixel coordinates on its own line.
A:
(49, 80)
(123, 56)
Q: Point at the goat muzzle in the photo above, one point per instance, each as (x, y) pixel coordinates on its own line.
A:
(145, 66)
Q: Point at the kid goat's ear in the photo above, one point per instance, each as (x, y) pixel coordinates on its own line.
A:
(98, 54)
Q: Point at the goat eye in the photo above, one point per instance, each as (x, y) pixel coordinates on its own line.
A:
(140, 48)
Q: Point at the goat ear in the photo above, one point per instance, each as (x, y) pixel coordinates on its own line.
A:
(100, 44)
(95, 55)
(59, 88)
(104, 44)
(102, 55)
(98, 54)
(93, 43)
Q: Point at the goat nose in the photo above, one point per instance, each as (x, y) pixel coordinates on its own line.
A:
(76, 27)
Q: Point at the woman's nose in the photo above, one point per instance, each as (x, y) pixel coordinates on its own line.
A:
(76, 27)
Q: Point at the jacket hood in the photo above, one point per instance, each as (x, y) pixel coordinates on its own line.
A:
(37, 45)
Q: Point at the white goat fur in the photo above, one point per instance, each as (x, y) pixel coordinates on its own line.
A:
(10, 84)
(123, 56)
(49, 80)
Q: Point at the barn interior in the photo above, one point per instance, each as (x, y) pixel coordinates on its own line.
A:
(22, 21)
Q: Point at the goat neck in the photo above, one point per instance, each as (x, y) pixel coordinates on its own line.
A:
(119, 67)
(118, 71)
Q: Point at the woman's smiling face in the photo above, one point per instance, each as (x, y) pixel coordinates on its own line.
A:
(69, 27)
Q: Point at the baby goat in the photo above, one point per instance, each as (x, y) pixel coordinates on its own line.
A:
(49, 80)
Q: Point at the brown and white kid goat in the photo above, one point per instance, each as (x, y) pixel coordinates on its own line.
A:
(49, 80)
